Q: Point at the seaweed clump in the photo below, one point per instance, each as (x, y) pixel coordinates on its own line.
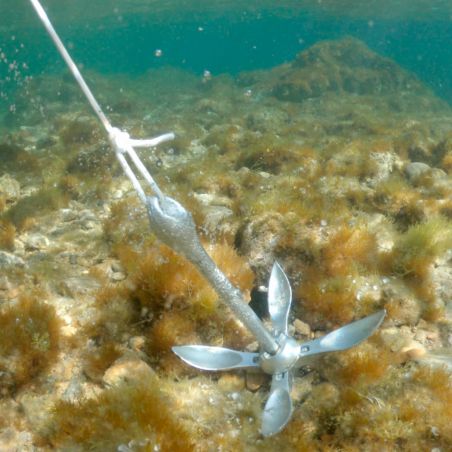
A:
(162, 279)
(329, 291)
(420, 245)
(23, 214)
(131, 415)
(374, 411)
(7, 235)
(164, 298)
(345, 66)
(414, 254)
(29, 341)
(178, 301)
(96, 362)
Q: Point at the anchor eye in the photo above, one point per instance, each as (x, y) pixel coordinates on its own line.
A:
(284, 359)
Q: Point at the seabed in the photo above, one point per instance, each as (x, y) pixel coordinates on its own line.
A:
(338, 165)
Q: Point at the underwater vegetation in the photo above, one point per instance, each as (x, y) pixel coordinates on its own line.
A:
(132, 415)
(338, 165)
(345, 65)
(328, 291)
(414, 254)
(7, 235)
(417, 248)
(168, 296)
(29, 341)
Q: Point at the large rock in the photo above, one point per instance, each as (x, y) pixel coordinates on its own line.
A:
(345, 65)
(342, 66)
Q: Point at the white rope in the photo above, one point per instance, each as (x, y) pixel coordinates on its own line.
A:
(70, 63)
(120, 140)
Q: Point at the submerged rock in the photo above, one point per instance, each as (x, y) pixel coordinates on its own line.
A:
(415, 169)
(36, 242)
(345, 65)
(9, 188)
(8, 260)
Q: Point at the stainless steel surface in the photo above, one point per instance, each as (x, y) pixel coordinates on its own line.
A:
(278, 408)
(345, 337)
(279, 298)
(215, 358)
(175, 227)
(289, 356)
(284, 359)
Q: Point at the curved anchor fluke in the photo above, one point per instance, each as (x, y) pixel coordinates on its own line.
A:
(343, 338)
(279, 299)
(216, 358)
(278, 408)
(288, 356)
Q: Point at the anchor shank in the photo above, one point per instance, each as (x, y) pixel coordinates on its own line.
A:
(175, 227)
(234, 299)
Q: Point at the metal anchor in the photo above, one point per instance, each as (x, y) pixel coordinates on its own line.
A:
(280, 355)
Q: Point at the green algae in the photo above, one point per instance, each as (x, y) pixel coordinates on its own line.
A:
(417, 248)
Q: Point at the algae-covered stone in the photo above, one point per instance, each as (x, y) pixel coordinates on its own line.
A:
(414, 170)
(36, 242)
(9, 188)
(125, 369)
(9, 260)
(344, 65)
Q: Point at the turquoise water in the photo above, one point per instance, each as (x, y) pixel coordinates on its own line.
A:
(226, 37)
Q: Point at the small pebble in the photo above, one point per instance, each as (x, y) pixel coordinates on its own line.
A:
(137, 342)
(125, 369)
(4, 283)
(252, 347)
(116, 267)
(302, 328)
(254, 380)
(36, 242)
(413, 351)
(9, 188)
(118, 276)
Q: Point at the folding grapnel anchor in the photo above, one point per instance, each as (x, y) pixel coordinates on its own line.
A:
(280, 355)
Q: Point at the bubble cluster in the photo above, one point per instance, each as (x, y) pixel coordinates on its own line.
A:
(14, 72)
